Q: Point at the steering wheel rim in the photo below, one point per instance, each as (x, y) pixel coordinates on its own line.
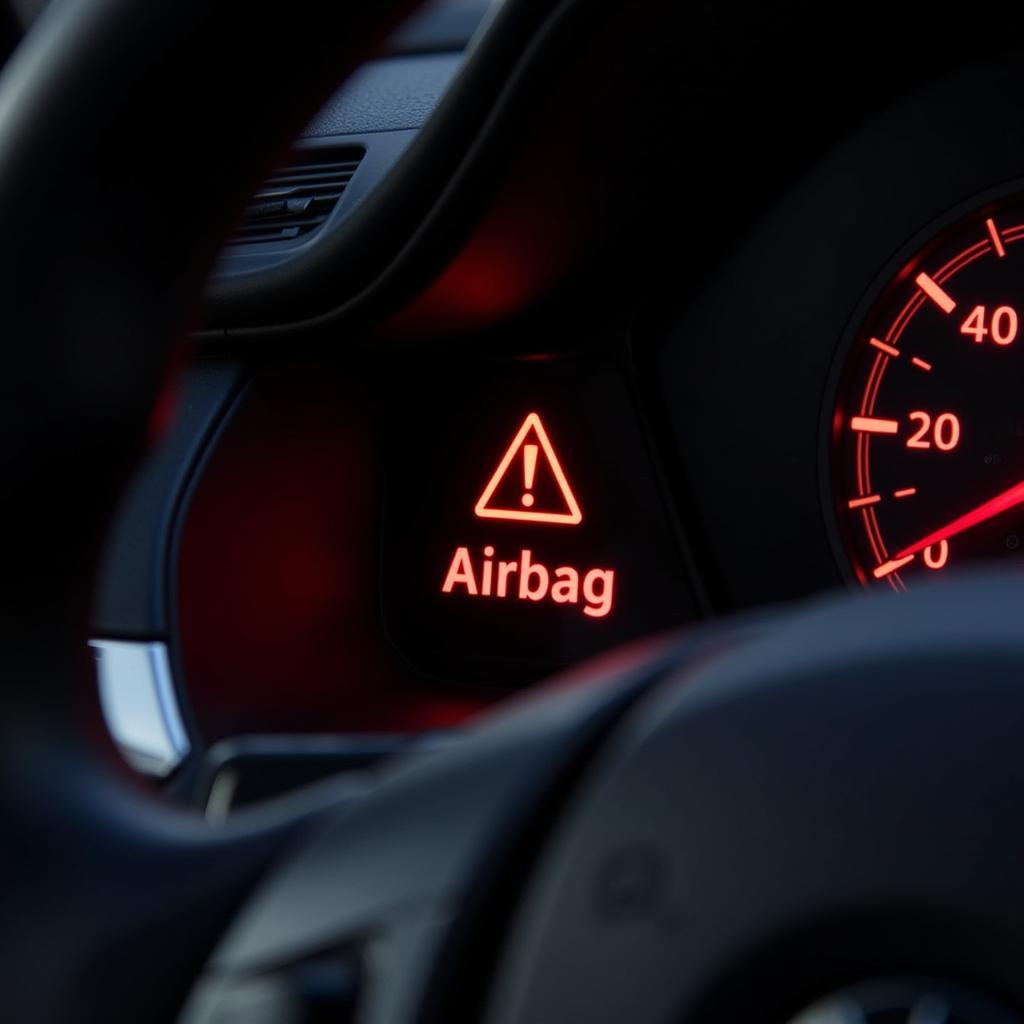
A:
(140, 130)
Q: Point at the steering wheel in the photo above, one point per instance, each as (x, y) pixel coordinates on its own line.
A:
(809, 815)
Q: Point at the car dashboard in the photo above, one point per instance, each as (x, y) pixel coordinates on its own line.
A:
(561, 326)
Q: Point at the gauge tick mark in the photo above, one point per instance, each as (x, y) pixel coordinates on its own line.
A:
(997, 241)
(887, 568)
(883, 347)
(874, 425)
(868, 499)
(935, 292)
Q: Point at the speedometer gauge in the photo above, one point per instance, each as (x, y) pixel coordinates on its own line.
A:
(928, 428)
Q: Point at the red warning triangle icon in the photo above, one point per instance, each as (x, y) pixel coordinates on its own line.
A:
(529, 465)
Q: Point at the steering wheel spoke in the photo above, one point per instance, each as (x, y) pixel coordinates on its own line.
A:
(417, 878)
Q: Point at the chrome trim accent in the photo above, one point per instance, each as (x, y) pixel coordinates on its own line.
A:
(222, 795)
(140, 704)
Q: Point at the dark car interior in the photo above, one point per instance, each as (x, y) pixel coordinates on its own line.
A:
(495, 525)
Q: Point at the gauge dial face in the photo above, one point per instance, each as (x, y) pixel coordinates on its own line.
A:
(928, 430)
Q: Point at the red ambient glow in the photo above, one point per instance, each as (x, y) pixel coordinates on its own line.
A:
(536, 582)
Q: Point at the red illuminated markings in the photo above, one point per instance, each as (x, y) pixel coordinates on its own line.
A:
(887, 568)
(870, 499)
(1001, 328)
(997, 242)
(572, 515)
(994, 326)
(1003, 502)
(936, 555)
(529, 472)
(934, 292)
(883, 347)
(594, 588)
(873, 425)
(943, 432)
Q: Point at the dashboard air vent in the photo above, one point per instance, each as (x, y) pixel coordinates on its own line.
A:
(298, 198)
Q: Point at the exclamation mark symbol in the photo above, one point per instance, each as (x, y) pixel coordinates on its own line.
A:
(529, 471)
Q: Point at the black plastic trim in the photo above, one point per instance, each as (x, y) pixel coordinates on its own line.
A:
(414, 220)
(381, 151)
(132, 595)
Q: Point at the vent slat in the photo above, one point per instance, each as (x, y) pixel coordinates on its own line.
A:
(334, 193)
(284, 180)
(274, 224)
(345, 167)
(334, 188)
(305, 165)
(296, 200)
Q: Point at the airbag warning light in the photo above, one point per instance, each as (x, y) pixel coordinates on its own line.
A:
(523, 509)
(529, 465)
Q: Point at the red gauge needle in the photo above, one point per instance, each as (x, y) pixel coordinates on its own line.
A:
(987, 510)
